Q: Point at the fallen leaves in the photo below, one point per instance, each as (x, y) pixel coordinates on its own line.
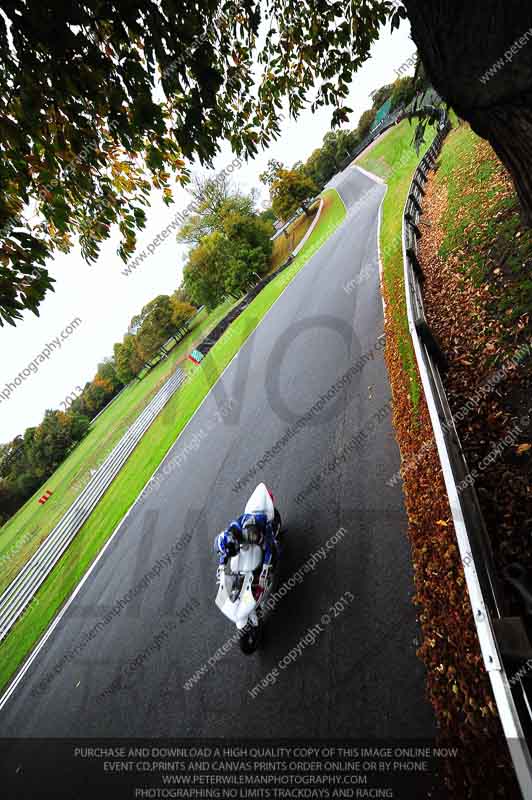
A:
(523, 448)
(457, 684)
(477, 339)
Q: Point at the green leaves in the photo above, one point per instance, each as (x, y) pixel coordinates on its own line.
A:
(226, 260)
(102, 101)
(340, 115)
(398, 14)
(24, 286)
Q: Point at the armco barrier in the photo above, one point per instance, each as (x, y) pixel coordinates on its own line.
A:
(487, 601)
(23, 588)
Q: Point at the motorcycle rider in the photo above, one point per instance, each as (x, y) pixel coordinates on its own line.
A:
(248, 528)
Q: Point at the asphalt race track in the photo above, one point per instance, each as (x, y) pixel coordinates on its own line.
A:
(360, 676)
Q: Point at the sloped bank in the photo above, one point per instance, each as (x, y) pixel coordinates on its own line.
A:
(457, 685)
(475, 256)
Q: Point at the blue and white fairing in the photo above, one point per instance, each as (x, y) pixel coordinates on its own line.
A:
(261, 502)
(243, 607)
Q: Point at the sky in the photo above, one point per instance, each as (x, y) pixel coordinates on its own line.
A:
(105, 300)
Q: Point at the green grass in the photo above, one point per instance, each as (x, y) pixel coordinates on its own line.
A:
(467, 205)
(16, 540)
(149, 454)
(483, 227)
(395, 159)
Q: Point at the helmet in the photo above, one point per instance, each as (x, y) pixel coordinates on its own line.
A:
(251, 532)
(234, 540)
(234, 531)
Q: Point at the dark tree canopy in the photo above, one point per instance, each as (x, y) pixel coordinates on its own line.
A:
(79, 102)
(101, 100)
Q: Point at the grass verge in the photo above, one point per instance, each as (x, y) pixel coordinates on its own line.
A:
(483, 228)
(150, 452)
(395, 160)
(476, 260)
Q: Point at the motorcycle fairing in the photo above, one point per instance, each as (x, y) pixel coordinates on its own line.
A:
(245, 562)
(261, 502)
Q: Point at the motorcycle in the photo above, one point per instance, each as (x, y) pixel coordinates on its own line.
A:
(241, 597)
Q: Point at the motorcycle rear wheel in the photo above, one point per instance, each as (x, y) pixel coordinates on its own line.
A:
(249, 639)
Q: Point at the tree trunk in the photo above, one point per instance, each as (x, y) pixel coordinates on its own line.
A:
(478, 56)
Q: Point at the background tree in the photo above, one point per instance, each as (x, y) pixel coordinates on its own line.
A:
(321, 165)
(329, 151)
(226, 261)
(204, 272)
(365, 122)
(160, 319)
(14, 467)
(251, 230)
(79, 425)
(9, 501)
(346, 141)
(27, 461)
(214, 198)
(181, 311)
(404, 91)
(291, 189)
(127, 358)
(11, 456)
(106, 370)
(96, 395)
(157, 326)
(180, 296)
(250, 252)
(46, 445)
(271, 172)
(268, 216)
(381, 95)
(243, 265)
